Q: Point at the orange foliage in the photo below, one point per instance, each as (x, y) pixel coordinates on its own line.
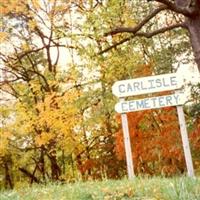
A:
(195, 135)
(86, 166)
(156, 142)
(10, 6)
(195, 145)
(144, 70)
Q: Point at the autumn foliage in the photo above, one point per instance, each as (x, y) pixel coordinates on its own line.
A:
(156, 142)
(57, 69)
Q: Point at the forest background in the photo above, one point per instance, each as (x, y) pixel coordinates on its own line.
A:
(59, 60)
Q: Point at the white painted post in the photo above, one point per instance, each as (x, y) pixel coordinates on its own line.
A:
(127, 143)
(186, 146)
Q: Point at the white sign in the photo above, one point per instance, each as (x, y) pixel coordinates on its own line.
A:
(147, 85)
(150, 103)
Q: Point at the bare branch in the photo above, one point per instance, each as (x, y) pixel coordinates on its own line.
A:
(13, 92)
(144, 34)
(116, 44)
(25, 53)
(161, 30)
(5, 70)
(140, 25)
(36, 71)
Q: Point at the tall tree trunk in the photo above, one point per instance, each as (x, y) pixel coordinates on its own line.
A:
(8, 180)
(55, 168)
(41, 163)
(194, 30)
(193, 25)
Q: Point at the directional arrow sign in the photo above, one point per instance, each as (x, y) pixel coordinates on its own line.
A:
(150, 103)
(147, 85)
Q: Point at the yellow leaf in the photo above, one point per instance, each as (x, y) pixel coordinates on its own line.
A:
(44, 138)
(36, 4)
(32, 24)
(3, 36)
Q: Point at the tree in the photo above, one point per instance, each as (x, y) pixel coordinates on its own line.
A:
(54, 129)
(189, 9)
(40, 134)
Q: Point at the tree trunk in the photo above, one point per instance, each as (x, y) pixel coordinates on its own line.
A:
(8, 180)
(41, 163)
(55, 169)
(193, 24)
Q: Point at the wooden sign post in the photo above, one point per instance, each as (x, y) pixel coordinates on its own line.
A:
(129, 158)
(147, 85)
(185, 141)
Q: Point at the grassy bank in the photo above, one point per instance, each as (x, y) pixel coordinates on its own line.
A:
(138, 189)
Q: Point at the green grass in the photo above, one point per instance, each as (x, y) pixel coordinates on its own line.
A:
(181, 188)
